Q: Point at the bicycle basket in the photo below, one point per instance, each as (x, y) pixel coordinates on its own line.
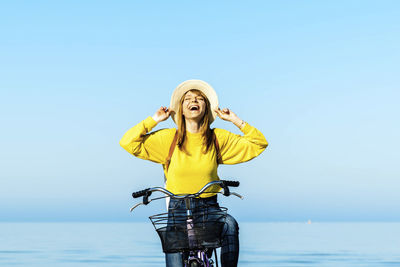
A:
(176, 233)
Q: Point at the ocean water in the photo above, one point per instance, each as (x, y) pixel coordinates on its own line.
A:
(262, 244)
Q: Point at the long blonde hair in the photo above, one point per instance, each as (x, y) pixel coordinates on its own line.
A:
(206, 132)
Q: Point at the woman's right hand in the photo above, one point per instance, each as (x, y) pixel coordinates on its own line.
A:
(161, 114)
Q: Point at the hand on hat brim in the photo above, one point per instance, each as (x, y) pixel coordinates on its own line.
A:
(161, 114)
(225, 114)
(228, 115)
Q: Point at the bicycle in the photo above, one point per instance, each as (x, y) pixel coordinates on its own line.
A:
(196, 232)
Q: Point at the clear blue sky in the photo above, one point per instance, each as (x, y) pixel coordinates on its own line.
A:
(320, 79)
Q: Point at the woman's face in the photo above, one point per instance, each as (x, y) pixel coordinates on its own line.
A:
(193, 106)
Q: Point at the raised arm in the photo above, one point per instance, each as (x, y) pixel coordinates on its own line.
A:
(239, 148)
(154, 146)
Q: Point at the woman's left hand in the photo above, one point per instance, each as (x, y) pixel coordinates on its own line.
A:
(228, 115)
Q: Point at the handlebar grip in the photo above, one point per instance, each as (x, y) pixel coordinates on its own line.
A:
(140, 193)
(232, 183)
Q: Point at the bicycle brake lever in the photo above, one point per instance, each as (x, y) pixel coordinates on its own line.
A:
(226, 190)
(236, 194)
(146, 198)
(138, 204)
(134, 207)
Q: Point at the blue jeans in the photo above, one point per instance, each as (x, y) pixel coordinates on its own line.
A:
(230, 237)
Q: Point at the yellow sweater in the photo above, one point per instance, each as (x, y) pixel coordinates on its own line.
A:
(188, 173)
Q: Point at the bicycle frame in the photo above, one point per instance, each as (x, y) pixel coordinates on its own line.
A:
(198, 256)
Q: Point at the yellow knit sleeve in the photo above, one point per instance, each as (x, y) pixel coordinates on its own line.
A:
(150, 146)
(240, 148)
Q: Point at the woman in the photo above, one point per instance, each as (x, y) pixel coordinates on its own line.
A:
(196, 151)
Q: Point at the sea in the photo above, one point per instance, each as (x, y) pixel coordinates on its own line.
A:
(261, 244)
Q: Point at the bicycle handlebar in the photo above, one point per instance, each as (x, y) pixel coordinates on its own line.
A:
(147, 192)
(140, 193)
(222, 183)
(232, 183)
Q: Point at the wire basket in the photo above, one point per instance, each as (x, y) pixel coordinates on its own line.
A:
(177, 234)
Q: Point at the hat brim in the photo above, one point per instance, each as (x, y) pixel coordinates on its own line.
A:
(188, 85)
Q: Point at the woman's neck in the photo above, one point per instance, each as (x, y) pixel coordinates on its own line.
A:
(192, 126)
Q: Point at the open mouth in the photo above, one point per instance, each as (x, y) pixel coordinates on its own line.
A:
(194, 108)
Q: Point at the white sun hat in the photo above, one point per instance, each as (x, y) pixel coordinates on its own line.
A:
(188, 85)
